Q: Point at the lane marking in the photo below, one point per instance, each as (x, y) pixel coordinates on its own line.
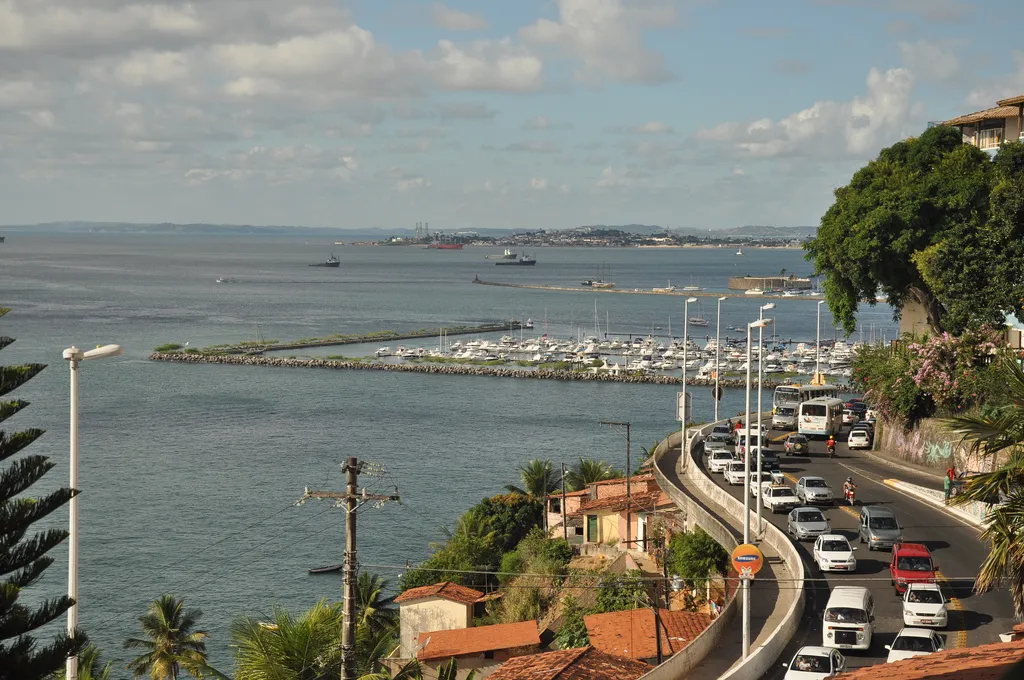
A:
(957, 606)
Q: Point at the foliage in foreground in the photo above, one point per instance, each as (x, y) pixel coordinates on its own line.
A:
(173, 644)
(530, 576)
(588, 471)
(617, 592)
(695, 555)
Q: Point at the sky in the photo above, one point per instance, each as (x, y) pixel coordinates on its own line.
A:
(468, 114)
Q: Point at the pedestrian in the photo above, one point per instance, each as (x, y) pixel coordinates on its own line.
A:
(951, 472)
(947, 483)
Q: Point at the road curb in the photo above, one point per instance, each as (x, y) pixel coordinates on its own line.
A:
(924, 495)
(893, 464)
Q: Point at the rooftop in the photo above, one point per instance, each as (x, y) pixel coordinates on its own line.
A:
(1011, 101)
(446, 589)
(986, 662)
(622, 480)
(582, 663)
(441, 644)
(646, 500)
(988, 114)
(631, 633)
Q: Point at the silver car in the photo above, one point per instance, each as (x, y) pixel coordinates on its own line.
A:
(805, 522)
(812, 490)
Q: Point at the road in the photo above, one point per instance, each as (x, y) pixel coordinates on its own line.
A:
(955, 546)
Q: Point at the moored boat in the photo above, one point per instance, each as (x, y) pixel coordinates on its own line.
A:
(507, 255)
(332, 261)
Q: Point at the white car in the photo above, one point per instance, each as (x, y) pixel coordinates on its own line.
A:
(911, 642)
(756, 484)
(814, 663)
(832, 552)
(849, 417)
(734, 474)
(718, 461)
(778, 498)
(924, 605)
(858, 439)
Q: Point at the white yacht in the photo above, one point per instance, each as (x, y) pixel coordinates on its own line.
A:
(754, 291)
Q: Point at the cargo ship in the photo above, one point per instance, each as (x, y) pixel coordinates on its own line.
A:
(525, 260)
(507, 255)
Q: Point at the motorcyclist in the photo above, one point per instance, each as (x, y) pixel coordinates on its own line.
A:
(849, 488)
(831, 445)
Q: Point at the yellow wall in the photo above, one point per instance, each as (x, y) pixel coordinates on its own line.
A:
(608, 526)
(429, 614)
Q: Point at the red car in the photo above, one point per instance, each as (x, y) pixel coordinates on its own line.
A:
(911, 563)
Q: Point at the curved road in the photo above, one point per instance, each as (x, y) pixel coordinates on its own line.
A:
(955, 546)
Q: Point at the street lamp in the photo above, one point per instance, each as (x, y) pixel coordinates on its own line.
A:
(817, 349)
(74, 356)
(718, 348)
(686, 345)
(746, 493)
(760, 379)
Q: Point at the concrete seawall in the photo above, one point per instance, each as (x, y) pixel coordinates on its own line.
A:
(437, 369)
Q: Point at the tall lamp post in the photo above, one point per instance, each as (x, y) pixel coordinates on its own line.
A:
(718, 349)
(817, 349)
(75, 356)
(760, 422)
(686, 345)
(746, 494)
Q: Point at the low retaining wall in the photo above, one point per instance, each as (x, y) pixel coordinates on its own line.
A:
(690, 656)
(974, 512)
(929, 445)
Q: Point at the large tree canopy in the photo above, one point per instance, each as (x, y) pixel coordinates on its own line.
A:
(931, 220)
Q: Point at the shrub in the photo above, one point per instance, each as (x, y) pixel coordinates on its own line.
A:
(695, 555)
(573, 632)
(618, 592)
(169, 347)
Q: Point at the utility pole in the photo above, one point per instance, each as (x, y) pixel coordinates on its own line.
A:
(351, 499)
(565, 529)
(629, 496)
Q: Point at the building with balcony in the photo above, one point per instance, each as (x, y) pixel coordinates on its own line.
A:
(989, 128)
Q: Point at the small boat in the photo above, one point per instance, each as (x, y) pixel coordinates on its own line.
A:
(225, 279)
(697, 321)
(327, 570)
(602, 284)
(669, 289)
(444, 246)
(525, 261)
(332, 261)
(754, 291)
(507, 255)
(739, 251)
(339, 243)
(528, 324)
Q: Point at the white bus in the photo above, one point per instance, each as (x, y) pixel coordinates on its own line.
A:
(793, 394)
(820, 417)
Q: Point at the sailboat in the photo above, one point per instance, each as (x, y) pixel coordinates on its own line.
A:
(693, 288)
(739, 251)
(699, 319)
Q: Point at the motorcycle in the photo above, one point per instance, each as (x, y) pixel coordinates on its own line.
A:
(850, 495)
(832, 451)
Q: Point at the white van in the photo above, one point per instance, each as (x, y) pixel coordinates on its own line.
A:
(849, 618)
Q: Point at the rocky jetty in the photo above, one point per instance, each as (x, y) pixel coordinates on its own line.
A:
(442, 369)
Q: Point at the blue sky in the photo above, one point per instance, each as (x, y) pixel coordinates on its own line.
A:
(511, 114)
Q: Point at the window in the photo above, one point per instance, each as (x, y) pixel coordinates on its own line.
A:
(556, 505)
(813, 409)
(990, 139)
(845, 615)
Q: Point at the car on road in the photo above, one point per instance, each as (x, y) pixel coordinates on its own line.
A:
(814, 663)
(741, 443)
(719, 460)
(806, 522)
(773, 467)
(858, 439)
(878, 527)
(724, 430)
(832, 552)
(924, 606)
(778, 498)
(911, 642)
(757, 482)
(911, 563)
(784, 418)
(811, 490)
(735, 473)
(797, 443)
(714, 445)
(849, 417)
(859, 408)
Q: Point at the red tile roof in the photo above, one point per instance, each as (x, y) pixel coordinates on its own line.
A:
(986, 662)
(622, 480)
(582, 663)
(447, 590)
(644, 501)
(441, 644)
(569, 494)
(631, 633)
(1011, 101)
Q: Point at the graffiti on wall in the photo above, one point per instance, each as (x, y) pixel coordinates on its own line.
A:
(928, 445)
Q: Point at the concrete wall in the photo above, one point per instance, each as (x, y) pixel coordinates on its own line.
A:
(608, 526)
(774, 282)
(429, 614)
(929, 445)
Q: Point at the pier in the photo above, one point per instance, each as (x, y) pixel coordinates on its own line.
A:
(626, 291)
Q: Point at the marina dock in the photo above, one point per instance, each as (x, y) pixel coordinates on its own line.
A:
(640, 291)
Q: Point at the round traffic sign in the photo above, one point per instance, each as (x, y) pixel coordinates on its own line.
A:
(747, 558)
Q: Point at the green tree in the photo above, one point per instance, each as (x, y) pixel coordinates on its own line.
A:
(374, 609)
(172, 642)
(920, 223)
(538, 479)
(23, 554)
(622, 591)
(90, 667)
(304, 648)
(695, 555)
(573, 632)
(588, 471)
(412, 670)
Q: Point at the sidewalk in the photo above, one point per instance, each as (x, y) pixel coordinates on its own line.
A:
(767, 608)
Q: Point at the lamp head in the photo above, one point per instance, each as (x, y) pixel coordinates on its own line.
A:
(821, 302)
(760, 323)
(103, 352)
(723, 298)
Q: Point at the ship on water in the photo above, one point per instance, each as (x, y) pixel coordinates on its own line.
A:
(525, 261)
(332, 261)
(507, 255)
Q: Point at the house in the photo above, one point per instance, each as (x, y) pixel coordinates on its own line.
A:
(989, 128)
(574, 522)
(605, 519)
(998, 661)
(631, 633)
(581, 663)
(480, 647)
(441, 606)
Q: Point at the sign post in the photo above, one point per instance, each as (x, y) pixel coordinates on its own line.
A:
(747, 560)
(682, 397)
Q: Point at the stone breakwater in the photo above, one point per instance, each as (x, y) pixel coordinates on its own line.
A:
(440, 369)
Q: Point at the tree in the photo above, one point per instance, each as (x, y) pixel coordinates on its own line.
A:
(573, 632)
(695, 555)
(89, 666)
(374, 609)
(450, 671)
(172, 642)
(538, 479)
(923, 222)
(303, 648)
(622, 591)
(23, 555)
(588, 471)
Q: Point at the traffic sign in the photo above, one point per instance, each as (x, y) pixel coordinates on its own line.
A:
(717, 392)
(679, 406)
(747, 560)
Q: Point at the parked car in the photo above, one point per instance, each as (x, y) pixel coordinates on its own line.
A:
(778, 498)
(735, 473)
(878, 527)
(806, 522)
(812, 490)
(797, 443)
(858, 439)
(815, 663)
(832, 552)
(911, 642)
(924, 605)
(718, 461)
(911, 563)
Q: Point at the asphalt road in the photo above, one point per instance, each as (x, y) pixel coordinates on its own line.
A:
(955, 546)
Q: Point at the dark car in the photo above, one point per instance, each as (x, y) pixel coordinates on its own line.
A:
(797, 443)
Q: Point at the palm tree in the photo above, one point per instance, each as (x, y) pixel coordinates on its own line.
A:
(172, 642)
(538, 479)
(374, 609)
(89, 666)
(588, 471)
(450, 671)
(410, 671)
(303, 648)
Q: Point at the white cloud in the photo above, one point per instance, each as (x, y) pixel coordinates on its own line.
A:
(460, 111)
(484, 65)
(932, 10)
(621, 178)
(544, 123)
(931, 60)
(454, 20)
(1007, 85)
(538, 184)
(606, 38)
(418, 146)
(654, 127)
(830, 129)
(149, 68)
